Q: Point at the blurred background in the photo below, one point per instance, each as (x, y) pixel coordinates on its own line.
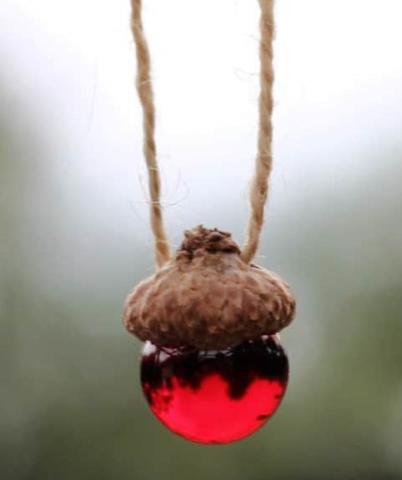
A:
(75, 235)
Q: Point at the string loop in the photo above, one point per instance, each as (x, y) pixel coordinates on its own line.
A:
(263, 164)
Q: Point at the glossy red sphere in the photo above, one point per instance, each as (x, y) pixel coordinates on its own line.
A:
(215, 396)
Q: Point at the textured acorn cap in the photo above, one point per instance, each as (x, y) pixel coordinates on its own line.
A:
(207, 297)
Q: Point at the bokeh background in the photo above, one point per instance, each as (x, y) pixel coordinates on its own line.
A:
(75, 236)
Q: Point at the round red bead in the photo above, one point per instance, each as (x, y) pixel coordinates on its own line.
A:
(215, 396)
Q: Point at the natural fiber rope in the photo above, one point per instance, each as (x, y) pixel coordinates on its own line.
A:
(263, 165)
(145, 93)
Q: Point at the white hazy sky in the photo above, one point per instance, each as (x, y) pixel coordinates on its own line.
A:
(338, 94)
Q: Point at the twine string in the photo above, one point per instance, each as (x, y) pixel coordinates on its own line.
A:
(146, 96)
(263, 164)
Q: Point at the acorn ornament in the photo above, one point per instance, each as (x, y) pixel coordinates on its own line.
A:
(212, 369)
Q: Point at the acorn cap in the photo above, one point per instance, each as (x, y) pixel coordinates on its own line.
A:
(208, 298)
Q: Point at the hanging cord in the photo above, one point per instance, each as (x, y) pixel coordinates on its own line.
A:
(263, 164)
(146, 96)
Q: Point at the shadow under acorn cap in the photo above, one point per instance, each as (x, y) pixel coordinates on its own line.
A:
(207, 297)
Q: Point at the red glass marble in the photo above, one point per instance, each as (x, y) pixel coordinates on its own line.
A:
(215, 396)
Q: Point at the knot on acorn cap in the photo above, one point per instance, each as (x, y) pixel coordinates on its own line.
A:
(208, 298)
(200, 240)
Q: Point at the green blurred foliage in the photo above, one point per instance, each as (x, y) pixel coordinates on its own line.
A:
(72, 407)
